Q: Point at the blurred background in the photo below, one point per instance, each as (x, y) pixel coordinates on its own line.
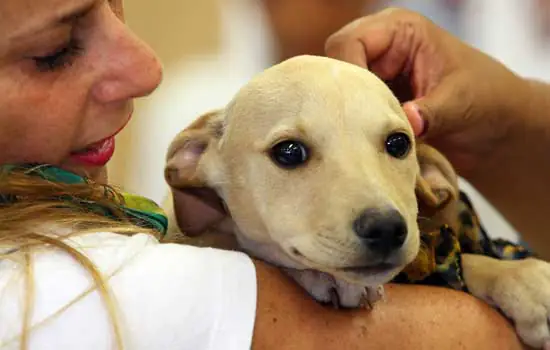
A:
(210, 48)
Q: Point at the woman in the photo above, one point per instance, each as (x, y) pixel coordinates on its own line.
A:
(81, 265)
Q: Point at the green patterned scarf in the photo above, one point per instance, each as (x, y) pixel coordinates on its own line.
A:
(139, 210)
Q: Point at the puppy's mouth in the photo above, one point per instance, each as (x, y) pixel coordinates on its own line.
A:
(376, 274)
(370, 269)
(379, 273)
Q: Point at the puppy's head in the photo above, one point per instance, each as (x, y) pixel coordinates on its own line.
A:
(318, 168)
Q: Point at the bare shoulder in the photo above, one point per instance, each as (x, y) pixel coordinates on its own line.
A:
(413, 317)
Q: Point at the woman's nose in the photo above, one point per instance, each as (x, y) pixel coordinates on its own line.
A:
(130, 67)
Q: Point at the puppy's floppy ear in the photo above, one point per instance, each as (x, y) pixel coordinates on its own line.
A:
(187, 149)
(197, 206)
(437, 183)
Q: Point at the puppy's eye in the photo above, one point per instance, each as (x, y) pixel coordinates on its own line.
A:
(289, 154)
(398, 145)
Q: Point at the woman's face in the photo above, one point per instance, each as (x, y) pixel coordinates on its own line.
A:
(69, 70)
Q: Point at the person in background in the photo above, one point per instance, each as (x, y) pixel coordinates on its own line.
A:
(302, 27)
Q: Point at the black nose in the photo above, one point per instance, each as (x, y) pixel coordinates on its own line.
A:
(382, 231)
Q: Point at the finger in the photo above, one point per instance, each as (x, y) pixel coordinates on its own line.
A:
(361, 41)
(413, 115)
(352, 51)
(385, 41)
(441, 111)
(398, 55)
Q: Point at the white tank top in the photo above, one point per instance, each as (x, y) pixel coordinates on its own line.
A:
(167, 297)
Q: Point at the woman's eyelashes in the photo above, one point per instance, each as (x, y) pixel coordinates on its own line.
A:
(59, 59)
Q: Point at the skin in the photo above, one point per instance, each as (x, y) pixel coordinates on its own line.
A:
(414, 317)
(492, 124)
(47, 115)
(294, 36)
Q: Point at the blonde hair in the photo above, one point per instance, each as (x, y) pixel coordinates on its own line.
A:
(36, 206)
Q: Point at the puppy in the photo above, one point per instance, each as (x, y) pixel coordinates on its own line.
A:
(313, 167)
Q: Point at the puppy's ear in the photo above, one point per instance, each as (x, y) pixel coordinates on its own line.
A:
(187, 149)
(437, 183)
(197, 206)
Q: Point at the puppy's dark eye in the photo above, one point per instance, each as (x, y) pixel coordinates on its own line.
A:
(398, 145)
(289, 154)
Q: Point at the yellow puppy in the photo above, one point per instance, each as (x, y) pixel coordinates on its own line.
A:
(313, 167)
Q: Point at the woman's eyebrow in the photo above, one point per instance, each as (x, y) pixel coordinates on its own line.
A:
(62, 17)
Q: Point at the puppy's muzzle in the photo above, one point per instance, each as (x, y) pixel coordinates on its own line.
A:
(381, 231)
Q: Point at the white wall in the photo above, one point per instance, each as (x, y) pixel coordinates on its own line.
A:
(503, 28)
(508, 30)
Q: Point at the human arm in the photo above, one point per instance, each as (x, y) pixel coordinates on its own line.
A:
(493, 125)
(413, 317)
(515, 177)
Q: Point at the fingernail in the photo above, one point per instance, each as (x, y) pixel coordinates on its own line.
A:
(414, 115)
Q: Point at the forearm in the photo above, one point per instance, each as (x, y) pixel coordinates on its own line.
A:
(516, 177)
(413, 317)
(421, 317)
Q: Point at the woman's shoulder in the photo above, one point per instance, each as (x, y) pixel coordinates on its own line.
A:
(112, 252)
(186, 294)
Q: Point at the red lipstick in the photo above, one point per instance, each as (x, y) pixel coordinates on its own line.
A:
(100, 152)
(97, 154)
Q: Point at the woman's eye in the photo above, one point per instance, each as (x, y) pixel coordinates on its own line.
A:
(61, 58)
(398, 145)
(289, 154)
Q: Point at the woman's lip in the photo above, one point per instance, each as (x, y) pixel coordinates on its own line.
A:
(98, 154)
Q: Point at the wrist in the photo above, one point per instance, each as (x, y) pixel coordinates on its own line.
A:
(514, 176)
(526, 121)
(516, 114)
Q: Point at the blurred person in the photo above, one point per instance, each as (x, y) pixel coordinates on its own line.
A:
(302, 26)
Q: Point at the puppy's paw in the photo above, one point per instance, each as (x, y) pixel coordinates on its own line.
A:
(372, 295)
(340, 294)
(356, 296)
(519, 288)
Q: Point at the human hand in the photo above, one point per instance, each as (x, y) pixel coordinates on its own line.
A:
(457, 98)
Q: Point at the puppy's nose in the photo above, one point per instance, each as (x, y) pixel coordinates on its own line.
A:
(382, 231)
